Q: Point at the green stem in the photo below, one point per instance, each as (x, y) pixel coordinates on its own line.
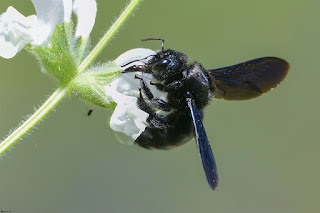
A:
(110, 33)
(52, 101)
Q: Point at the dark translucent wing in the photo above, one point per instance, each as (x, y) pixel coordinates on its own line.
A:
(208, 162)
(249, 79)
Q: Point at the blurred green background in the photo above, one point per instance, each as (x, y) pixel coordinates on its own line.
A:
(267, 149)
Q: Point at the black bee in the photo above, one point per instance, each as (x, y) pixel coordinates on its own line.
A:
(189, 89)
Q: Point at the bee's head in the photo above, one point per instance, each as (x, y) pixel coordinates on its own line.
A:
(168, 64)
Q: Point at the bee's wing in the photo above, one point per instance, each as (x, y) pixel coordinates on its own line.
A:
(249, 79)
(208, 162)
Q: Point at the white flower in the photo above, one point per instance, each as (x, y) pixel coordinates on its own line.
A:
(17, 30)
(127, 118)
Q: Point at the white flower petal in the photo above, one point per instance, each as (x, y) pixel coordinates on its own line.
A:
(16, 30)
(49, 13)
(123, 138)
(140, 54)
(127, 117)
(67, 4)
(86, 11)
(8, 49)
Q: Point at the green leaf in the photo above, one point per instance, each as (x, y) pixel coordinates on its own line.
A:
(81, 47)
(90, 85)
(61, 59)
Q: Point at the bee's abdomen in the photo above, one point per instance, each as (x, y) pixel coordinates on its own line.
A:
(177, 131)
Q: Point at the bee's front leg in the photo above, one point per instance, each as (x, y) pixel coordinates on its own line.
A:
(156, 102)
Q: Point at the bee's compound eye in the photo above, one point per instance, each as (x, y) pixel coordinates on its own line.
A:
(161, 65)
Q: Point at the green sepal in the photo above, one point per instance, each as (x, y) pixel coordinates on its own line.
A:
(62, 58)
(81, 47)
(90, 84)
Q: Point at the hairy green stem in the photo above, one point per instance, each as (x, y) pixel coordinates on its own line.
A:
(110, 33)
(60, 93)
(52, 101)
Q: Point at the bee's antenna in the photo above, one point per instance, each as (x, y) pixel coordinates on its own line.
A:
(159, 39)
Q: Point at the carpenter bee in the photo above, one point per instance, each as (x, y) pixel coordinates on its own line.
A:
(189, 88)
